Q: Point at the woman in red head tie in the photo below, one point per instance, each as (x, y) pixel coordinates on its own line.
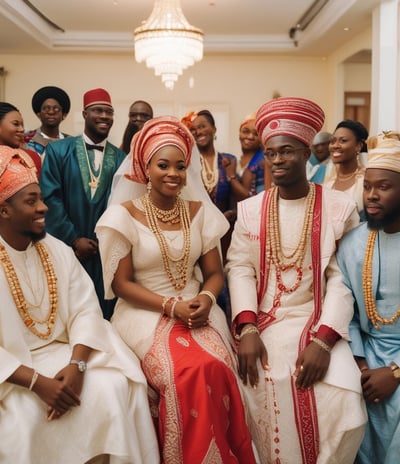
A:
(160, 256)
(12, 133)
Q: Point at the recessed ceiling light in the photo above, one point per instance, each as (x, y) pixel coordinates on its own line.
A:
(346, 29)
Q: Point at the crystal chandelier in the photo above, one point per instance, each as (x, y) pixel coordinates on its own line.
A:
(167, 42)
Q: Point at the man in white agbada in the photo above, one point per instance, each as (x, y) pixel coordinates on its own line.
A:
(290, 309)
(70, 391)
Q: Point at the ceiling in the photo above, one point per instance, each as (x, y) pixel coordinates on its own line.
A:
(230, 26)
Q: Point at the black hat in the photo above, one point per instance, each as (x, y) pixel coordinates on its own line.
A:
(51, 92)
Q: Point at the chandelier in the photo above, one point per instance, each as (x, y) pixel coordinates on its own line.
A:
(167, 42)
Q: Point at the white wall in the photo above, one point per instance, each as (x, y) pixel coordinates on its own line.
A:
(231, 86)
(357, 77)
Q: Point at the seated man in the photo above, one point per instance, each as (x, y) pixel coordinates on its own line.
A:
(369, 259)
(70, 391)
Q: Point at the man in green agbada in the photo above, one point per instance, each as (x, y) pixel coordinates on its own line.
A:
(76, 181)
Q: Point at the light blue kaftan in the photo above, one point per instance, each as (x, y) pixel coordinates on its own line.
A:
(381, 444)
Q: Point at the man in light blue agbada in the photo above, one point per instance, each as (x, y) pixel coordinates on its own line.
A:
(369, 257)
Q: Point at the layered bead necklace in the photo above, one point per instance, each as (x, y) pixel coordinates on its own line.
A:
(370, 307)
(209, 174)
(274, 250)
(29, 320)
(167, 216)
(176, 268)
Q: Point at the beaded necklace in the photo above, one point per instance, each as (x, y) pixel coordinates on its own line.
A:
(274, 250)
(18, 296)
(166, 216)
(370, 307)
(178, 278)
(209, 175)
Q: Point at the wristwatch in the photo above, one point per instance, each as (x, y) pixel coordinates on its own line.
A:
(395, 370)
(82, 366)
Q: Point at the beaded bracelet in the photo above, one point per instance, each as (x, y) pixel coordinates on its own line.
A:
(210, 295)
(34, 378)
(248, 329)
(172, 310)
(321, 344)
(165, 301)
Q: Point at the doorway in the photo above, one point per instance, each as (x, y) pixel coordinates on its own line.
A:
(357, 106)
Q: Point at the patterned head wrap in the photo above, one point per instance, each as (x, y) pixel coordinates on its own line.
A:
(289, 116)
(250, 117)
(188, 119)
(384, 151)
(155, 134)
(17, 170)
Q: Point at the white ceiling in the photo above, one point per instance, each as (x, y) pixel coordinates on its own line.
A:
(230, 26)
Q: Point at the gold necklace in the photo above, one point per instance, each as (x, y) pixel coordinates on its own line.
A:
(18, 296)
(94, 180)
(178, 278)
(275, 253)
(209, 175)
(345, 181)
(370, 307)
(166, 216)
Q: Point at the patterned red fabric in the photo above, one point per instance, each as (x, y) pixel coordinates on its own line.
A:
(155, 134)
(17, 170)
(200, 411)
(289, 116)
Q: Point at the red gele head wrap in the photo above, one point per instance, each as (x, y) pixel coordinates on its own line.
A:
(289, 116)
(17, 170)
(96, 97)
(154, 135)
(189, 118)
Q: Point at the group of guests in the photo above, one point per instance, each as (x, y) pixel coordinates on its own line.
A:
(169, 380)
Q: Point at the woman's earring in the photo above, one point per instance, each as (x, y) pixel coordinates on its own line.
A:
(148, 186)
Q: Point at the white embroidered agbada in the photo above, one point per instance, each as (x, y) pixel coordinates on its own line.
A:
(339, 404)
(113, 417)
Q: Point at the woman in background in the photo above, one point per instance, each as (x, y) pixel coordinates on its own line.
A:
(248, 180)
(12, 133)
(160, 257)
(213, 168)
(347, 172)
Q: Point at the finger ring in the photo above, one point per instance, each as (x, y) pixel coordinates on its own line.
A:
(301, 368)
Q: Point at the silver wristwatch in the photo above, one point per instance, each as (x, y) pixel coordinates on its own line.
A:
(82, 366)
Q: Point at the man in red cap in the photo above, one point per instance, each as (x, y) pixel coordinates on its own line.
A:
(290, 309)
(51, 105)
(76, 180)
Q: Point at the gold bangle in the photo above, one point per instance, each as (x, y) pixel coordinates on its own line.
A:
(321, 344)
(248, 329)
(210, 295)
(34, 378)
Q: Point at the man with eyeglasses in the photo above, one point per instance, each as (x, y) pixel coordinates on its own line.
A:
(51, 105)
(290, 308)
(139, 113)
(76, 180)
